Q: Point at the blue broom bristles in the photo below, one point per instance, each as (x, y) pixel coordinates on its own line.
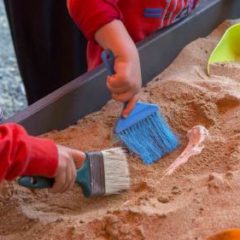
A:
(151, 138)
(145, 131)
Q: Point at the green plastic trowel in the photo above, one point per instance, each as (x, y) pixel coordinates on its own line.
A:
(228, 48)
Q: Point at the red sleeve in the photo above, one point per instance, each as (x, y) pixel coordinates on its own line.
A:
(21, 154)
(91, 15)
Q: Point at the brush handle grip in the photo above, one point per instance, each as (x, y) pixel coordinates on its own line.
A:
(37, 182)
(108, 61)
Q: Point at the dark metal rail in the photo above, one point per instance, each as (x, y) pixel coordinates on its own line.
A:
(88, 93)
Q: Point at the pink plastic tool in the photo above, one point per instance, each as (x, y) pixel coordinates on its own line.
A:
(196, 137)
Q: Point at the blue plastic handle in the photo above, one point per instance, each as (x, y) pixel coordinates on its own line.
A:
(83, 179)
(108, 60)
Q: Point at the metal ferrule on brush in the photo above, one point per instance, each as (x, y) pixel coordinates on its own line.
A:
(97, 173)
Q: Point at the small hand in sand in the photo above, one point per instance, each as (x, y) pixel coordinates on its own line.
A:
(68, 161)
(196, 137)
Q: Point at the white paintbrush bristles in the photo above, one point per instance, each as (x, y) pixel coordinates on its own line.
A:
(116, 170)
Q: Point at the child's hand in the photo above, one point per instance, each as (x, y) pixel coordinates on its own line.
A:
(127, 80)
(68, 161)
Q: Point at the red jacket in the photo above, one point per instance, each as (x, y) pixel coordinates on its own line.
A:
(141, 18)
(21, 154)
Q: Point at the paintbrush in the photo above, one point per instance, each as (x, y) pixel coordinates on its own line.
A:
(145, 131)
(103, 173)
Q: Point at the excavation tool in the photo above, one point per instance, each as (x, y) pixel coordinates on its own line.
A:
(227, 49)
(145, 131)
(102, 173)
(230, 234)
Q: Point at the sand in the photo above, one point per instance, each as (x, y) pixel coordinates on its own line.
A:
(227, 69)
(200, 198)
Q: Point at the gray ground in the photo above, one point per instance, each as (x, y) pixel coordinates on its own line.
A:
(12, 93)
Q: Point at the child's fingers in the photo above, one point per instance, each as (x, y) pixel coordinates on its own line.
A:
(118, 81)
(123, 97)
(59, 183)
(115, 90)
(78, 158)
(65, 180)
(70, 176)
(130, 106)
(126, 96)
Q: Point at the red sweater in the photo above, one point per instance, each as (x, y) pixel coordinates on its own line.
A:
(140, 17)
(21, 154)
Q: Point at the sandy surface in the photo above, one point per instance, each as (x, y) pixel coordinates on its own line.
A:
(199, 199)
(227, 69)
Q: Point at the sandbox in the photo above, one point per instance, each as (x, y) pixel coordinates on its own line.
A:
(199, 199)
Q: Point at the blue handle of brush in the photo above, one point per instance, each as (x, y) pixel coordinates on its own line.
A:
(84, 178)
(37, 182)
(108, 61)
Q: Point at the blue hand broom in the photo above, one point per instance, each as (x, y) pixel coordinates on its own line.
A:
(144, 131)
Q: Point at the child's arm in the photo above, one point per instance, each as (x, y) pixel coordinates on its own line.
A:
(22, 154)
(100, 21)
(127, 81)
